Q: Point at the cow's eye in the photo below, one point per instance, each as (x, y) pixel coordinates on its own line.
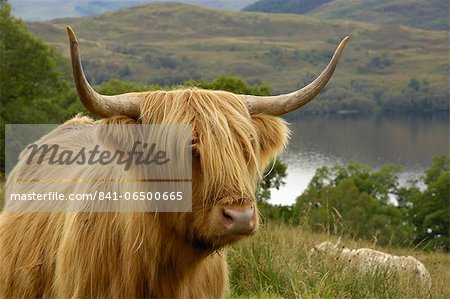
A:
(195, 156)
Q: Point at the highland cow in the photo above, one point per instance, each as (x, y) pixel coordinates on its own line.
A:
(144, 254)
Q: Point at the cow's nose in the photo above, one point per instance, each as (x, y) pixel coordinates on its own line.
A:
(239, 219)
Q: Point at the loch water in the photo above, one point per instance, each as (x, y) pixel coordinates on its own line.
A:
(410, 140)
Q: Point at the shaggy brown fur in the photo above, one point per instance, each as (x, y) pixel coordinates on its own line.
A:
(154, 255)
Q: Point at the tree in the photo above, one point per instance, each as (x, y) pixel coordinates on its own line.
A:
(355, 200)
(32, 89)
(116, 86)
(430, 212)
(232, 84)
(273, 178)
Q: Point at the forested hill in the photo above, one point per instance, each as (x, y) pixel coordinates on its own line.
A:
(387, 67)
(430, 14)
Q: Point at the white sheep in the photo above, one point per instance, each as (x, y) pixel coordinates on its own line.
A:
(369, 260)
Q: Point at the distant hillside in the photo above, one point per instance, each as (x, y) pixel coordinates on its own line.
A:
(285, 6)
(430, 14)
(384, 66)
(43, 10)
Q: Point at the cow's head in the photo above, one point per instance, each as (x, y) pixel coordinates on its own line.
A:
(235, 137)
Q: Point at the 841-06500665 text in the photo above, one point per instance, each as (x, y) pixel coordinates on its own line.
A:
(99, 195)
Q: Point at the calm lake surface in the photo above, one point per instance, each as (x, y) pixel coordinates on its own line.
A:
(409, 140)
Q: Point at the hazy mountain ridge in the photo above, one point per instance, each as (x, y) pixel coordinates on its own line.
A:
(43, 10)
(285, 6)
(172, 43)
(431, 14)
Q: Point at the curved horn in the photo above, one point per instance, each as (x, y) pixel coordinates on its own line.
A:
(282, 104)
(104, 106)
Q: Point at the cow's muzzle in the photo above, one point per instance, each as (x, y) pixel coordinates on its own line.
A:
(238, 219)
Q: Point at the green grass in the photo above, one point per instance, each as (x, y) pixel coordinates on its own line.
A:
(284, 50)
(276, 264)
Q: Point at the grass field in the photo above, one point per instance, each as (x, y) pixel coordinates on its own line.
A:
(276, 264)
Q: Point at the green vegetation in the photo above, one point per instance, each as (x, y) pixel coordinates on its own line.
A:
(355, 201)
(276, 264)
(370, 204)
(32, 88)
(273, 178)
(285, 6)
(430, 211)
(169, 44)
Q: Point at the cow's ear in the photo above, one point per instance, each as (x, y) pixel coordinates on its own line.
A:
(273, 135)
(118, 132)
